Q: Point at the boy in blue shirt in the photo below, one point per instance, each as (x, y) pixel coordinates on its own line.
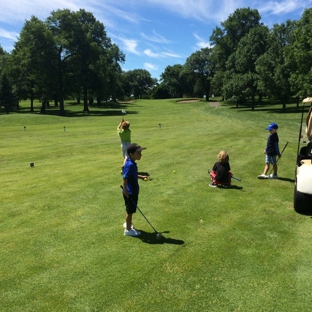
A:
(131, 187)
(271, 151)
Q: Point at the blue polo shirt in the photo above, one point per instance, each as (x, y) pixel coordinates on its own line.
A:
(130, 172)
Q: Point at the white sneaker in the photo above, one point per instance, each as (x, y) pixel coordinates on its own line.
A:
(263, 176)
(132, 232)
(273, 176)
(125, 225)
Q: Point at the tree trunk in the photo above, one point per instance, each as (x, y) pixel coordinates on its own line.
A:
(85, 99)
(43, 106)
(32, 101)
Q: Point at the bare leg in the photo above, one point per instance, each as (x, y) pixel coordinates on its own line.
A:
(124, 160)
(266, 168)
(275, 169)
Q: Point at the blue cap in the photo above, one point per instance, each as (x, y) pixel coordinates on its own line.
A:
(271, 126)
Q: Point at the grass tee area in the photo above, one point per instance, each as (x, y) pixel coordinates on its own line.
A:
(61, 221)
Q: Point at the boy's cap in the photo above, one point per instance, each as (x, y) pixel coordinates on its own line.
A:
(271, 126)
(132, 148)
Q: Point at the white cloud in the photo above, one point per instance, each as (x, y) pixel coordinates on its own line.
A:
(169, 54)
(8, 34)
(149, 66)
(201, 43)
(149, 53)
(17, 10)
(283, 7)
(203, 10)
(129, 45)
(155, 38)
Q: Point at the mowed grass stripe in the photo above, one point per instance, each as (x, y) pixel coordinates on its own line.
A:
(62, 243)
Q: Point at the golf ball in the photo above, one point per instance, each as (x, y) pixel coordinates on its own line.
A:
(173, 171)
(145, 179)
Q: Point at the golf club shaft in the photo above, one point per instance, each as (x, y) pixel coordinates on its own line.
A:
(142, 214)
(283, 150)
(237, 179)
(281, 155)
(300, 129)
(284, 147)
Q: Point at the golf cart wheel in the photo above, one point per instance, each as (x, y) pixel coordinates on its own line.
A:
(302, 201)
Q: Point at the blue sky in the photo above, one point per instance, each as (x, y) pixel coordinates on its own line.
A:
(151, 33)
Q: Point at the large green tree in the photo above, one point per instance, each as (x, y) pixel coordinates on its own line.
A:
(225, 40)
(273, 70)
(36, 60)
(7, 98)
(299, 57)
(175, 80)
(68, 54)
(201, 65)
(82, 39)
(138, 82)
(241, 77)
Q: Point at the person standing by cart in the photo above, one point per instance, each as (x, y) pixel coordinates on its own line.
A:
(271, 151)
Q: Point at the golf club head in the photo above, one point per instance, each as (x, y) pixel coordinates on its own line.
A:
(123, 112)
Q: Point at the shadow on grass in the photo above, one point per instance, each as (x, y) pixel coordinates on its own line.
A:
(151, 238)
(145, 173)
(287, 179)
(233, 187)
(304, 212)
(272, 106)
(73, 109)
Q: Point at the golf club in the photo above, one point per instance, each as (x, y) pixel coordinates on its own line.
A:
(237, 179)
(281, 154)
(158, 235)
(123, 112)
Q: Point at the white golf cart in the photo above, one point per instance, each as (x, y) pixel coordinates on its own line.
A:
(303, 175)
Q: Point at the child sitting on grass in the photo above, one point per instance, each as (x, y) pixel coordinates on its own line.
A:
(220, 173)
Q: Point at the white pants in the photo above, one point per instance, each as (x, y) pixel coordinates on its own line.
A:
(124, 146)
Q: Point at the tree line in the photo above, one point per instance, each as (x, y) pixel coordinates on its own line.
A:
(247, 61)
(70, 56)
(66, 56)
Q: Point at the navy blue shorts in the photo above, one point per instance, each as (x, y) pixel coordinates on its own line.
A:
(131, 203)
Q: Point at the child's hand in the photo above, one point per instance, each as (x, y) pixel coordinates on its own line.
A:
(264, 152)
(125, 192)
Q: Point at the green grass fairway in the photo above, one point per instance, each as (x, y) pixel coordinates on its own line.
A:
(61, 222)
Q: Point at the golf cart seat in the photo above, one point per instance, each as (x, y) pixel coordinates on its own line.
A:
(305, 153)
